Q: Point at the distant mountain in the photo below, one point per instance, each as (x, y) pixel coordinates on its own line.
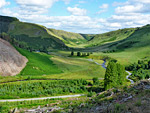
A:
(11, 61)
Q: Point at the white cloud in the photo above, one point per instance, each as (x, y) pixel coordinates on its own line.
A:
(132, 13)
(77, 11)
(38, 3)
(34, 6)
(104, 8)
(134, 6)
(3, 3)
(120, 3)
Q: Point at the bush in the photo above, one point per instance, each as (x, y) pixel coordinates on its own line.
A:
(90, 94)
(95, 81)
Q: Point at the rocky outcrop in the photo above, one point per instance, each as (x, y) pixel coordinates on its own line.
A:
(11, 61)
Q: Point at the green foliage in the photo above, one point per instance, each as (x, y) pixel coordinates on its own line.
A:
(114, 76)
(30, 89)
(72, 53)
(140, 70)
(121, 74)
(90, 94)
(95, 81)
(78, 54)
(38, 64)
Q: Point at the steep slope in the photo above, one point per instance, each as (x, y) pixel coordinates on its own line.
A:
(69, 38)
(38, 37)
(11, 61)
(30, 35)
(5, 21)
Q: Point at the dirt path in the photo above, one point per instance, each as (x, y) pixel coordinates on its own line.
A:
(42, 98)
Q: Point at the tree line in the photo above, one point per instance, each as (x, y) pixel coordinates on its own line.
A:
(80, 54)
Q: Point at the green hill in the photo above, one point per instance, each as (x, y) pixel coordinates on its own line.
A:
(30, 35)
(120, 40)
(140, 38)
(38, 37)
(109, 37)
(69, 38)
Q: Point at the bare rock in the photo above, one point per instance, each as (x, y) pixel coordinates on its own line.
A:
(11, 61)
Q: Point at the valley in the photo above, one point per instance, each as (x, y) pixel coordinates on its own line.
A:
(42, 66)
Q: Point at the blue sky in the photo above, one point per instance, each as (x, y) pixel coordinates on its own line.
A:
(81, 16)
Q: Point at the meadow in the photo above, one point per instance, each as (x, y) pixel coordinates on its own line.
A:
(128, 56)
(38, 64)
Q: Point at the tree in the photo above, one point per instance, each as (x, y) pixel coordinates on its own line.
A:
(121, 74)
(78, 54)
(108, 76)
(72, 53)
(88, 54)
(114, 76)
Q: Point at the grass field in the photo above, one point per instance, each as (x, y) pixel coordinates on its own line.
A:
(128, 56)
(75, 68)
(38, 64)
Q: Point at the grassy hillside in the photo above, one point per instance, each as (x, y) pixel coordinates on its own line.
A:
(69, 38)
(34, 36)
(140, 38)
(38, 64)
(109, 37)
(88, 36)
(38, 37)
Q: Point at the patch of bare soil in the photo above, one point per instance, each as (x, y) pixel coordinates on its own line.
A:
(11, 61)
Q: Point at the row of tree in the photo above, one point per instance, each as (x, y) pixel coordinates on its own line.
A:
(115, 75)
(80, 54)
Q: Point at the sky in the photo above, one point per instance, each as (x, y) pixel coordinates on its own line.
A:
(80, 16)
